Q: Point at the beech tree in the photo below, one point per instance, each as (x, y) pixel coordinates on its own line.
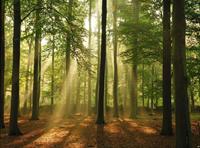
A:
(13, 127)
(167, 112)
(183, 127)
(100, 113)
(37, 63)
(115, 81)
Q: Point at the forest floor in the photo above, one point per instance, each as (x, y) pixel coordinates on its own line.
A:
(81, 132)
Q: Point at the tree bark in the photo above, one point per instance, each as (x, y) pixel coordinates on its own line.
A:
(26, 93)
(167, 113)
(98, 56)
(183, 127)
(78, 90)
(152, 88)
(52, 75)
(100, 114)
(115, 81)
(134, 66)
(106, 87)
(192, 99)
(37, 66)
(2, 62)
(89, 58)
(67, 58)
(13, 127)
(143, 95)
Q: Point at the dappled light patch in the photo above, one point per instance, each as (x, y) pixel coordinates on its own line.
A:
(51, 137)
(76, 145)
(22, 140)
(82, 132)
(148, 130)
(112, 128)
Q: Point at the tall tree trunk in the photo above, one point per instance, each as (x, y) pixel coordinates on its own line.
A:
(78, 90)
(192, 98)
(106, 87)
(52, 75)
(37, 60)
(126, 88)
(167, 113)
(152, 88)
(89, 58)
(2, 62)
(31, 88)
(13, 128)
(100, 114)
(25, 106)
(134, 68)
(67, 58)
(115, 82)
(98, 55)
(183, 127)
(39, 94)
(84, 97)
(143, 95)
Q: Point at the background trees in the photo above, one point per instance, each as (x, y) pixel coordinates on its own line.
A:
(129, 59)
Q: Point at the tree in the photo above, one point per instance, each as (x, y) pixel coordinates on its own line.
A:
(89, 57)
(100, 113)
(67, 53)
(115, 81)
(167, 113)
(52, 73)
(13, 127)
(183, 127)
(135, 60)
(37, 64)
(29, 42)
(2, 62)
(98, 55)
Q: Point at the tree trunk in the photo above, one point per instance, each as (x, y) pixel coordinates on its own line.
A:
(126, 81)
(37, 57)
(78, 91)
(67, 58)
(115, 81)
(26, 93)
(2, 62)
(31, 89)
(52, 75)
(167, 113)
(13, 128)
(143, 85)
(183, 127)
(134, 93)
(192, 98)
(84, 97)
(98, 56)
(134, 66)
(106, 87)
(152, 88)
(89, 58)
(100, 114)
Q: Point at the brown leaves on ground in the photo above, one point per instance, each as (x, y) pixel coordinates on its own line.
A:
(82, 132)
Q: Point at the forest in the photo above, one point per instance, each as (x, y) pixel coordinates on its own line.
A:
(100, 73)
